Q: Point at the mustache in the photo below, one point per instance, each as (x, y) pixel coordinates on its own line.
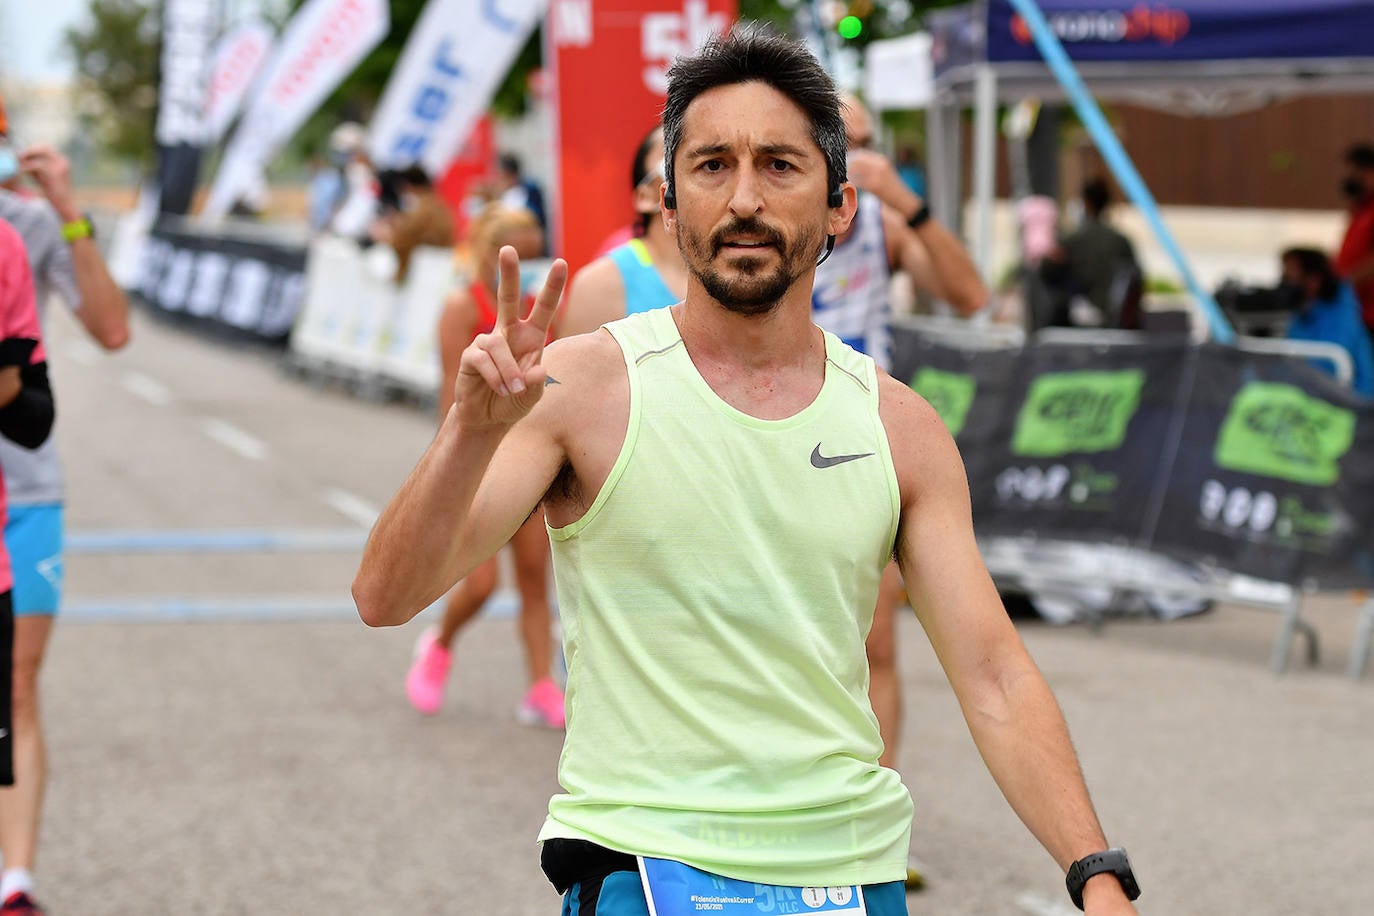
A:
(751, 227)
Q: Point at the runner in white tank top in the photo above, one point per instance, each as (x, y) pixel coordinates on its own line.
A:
(852, 297)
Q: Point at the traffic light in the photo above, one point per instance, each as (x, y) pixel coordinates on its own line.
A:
(853, 24)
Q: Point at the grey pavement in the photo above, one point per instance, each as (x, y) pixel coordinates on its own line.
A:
(268, 763)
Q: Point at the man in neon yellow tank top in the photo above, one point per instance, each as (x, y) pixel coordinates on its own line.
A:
(723, 484)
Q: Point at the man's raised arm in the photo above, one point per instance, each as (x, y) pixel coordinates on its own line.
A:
(493, 459)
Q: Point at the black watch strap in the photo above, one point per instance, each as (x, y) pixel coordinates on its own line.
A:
(921, 217)
(1111, 860)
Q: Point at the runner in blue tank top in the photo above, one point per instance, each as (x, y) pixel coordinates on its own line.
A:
(642, 274)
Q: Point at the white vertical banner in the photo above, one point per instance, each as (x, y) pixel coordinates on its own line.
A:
(453, 63)
(322, 44)
(188, 30)
(237, 61)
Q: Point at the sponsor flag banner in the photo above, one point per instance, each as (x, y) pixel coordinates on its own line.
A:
(610, 60)
(188, 31)
(237, 62)
(322, 44)
(456, 57)
(1275, 473)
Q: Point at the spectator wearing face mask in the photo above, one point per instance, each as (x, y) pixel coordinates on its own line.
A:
(1355, 260)
(1327, 311)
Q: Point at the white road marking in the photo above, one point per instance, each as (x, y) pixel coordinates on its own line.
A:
(1037, 905)
(235, 439)
(81, 351)
(147, 388)
(352, 507)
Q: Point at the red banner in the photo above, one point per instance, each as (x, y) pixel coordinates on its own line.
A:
(609, 59)
(472, 164)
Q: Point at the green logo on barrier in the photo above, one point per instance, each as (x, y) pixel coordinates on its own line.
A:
(1069, 412)
(1279, 431)
(950, 393)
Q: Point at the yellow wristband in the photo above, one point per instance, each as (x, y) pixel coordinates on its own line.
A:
(77, 229)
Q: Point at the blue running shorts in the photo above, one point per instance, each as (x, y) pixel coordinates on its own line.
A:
(33, 536)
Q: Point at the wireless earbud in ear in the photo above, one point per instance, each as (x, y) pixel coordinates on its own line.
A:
(829, 249)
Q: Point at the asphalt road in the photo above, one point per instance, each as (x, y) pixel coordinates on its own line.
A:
(226, 738)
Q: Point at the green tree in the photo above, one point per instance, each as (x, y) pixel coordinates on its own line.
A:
(116, 54)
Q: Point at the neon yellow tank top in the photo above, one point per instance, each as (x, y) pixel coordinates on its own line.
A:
(715, 599)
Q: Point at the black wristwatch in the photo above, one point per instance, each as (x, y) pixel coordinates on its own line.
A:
(920, 217)
(1113, 860)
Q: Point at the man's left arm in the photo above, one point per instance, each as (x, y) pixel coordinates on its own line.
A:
(103, 309)
(1011, 713)
(927, 250)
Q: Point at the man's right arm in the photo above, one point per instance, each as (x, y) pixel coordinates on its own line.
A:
(496, 454)
(468, 495)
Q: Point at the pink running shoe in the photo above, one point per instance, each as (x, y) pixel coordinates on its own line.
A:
(428, 673)
(543, 705)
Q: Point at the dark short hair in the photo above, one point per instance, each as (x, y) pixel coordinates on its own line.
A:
(753, 52)
(416, 177)
(1314, 264)
(639, 170)
(509, 162)
(1097, 194)
(1360, 156)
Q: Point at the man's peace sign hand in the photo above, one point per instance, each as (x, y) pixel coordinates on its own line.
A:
(500, 376)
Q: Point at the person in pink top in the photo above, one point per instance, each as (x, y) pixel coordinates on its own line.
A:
(26, 415)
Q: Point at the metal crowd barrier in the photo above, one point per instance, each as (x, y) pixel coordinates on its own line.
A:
(1335, 354)
(1025, 565)
(358, 326)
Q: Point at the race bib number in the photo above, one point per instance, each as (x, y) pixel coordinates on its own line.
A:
(674, 889)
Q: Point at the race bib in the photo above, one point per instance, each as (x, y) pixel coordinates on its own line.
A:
(674, 889)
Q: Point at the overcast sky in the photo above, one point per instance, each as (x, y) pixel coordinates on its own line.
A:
(31, 42)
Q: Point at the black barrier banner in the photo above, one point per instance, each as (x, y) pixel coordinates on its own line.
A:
(1257, 464)
(1275, 473)
(966, 387)
(1081, 443)
(251, 287)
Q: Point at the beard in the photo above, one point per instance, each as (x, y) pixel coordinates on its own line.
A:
(753, 289)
